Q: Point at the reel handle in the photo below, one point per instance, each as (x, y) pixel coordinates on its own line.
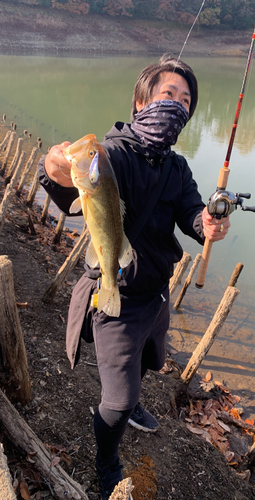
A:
(244, 195)
(248, 209)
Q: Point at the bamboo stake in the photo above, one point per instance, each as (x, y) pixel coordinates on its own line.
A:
(14, 161)
(45, 209)
(59, 228)
(12, 347)
(5, 141)
(179, 272)
(68, 265)
(8, 150)
(211, 333)
(7, 194)
(27, 170)
(187, 282)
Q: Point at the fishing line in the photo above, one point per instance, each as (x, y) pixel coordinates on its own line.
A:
(187, 37)
(63, 173)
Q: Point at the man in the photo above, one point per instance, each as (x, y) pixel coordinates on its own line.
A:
(164, 99)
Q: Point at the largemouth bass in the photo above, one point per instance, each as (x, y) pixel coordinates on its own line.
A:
(93, 175)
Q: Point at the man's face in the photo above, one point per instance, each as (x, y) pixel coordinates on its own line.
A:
(171, 86)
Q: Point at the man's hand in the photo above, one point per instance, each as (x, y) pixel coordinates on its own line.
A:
(57, 167)
(214, 229)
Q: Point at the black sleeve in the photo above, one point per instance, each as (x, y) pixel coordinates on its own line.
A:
(62, 196)
(189, 217)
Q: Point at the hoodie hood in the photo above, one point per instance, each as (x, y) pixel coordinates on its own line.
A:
(122, 132)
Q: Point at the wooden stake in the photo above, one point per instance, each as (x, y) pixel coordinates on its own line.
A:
(235, 275)
(5, 141)
(59, 228)
(30, 222)
(6, 489)
(122, 490)
(67, 267)
(7, 194)
(179, 272)
(45, 209)
(187, 282)
(12, 348)
(14, 161)
(27, 169)
(211, 333)
(8, 150)
(33, 191)
(63, 486)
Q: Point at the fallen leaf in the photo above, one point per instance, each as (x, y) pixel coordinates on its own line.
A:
(251, 422)
(208, 404)
(173, 351)
(66, 458)
(240, 367)
(222, 387)
(224, 426)
(234, 413)
(15, 484)
(24, 490)
(244, 475)
(22, 305)
(229, 456)
(237, 398)
(204, 420)
(167, 368)
(195, 430)
(207, 377)
(54, 461)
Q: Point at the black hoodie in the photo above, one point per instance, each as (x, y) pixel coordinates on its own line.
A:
(138, 170)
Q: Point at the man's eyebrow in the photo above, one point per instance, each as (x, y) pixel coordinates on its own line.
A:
(176, 88)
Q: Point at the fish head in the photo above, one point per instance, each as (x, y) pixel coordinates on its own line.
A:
(83, 155)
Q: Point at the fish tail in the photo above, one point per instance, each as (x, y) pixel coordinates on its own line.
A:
(109, 301)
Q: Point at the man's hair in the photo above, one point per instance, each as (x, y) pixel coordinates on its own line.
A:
(150, 76)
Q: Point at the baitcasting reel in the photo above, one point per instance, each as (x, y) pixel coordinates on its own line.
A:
(222, 203)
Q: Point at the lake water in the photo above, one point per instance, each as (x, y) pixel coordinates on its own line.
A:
(65, 98)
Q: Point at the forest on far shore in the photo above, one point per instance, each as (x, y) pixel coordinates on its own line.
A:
(220, 14)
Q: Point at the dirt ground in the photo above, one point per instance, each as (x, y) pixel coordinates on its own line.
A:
(173, 463)
(23, 29)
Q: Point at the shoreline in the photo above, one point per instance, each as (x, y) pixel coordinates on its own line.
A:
(52, 32)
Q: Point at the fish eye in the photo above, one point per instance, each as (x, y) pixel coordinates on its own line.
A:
(91, 153)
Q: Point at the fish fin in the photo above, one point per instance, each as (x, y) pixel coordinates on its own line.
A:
(109, 301)
(76, 206)
(91, 257)
(126, 254)
(83, 198)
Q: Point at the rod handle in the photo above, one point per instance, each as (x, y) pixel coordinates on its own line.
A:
(204, 263)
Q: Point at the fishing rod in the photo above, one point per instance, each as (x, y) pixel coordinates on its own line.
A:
(222, 203)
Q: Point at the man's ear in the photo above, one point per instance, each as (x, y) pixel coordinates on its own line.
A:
(139, 106)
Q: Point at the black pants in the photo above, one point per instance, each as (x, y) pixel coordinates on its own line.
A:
(109, 426)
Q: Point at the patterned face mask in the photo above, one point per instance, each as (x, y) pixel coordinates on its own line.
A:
(159, 123)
